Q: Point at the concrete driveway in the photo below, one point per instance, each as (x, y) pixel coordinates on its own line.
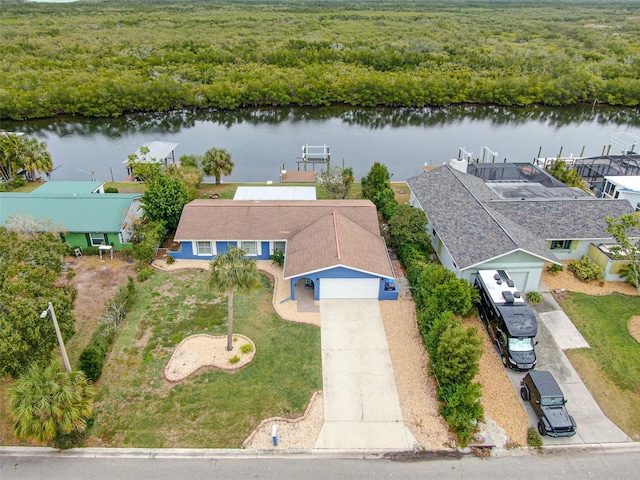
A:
(556, 333)
(361, 403)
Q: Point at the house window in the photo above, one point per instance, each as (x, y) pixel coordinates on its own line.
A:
(560, 244)
(203, 248)
(250, 248)
(279, 246)
(97, 239)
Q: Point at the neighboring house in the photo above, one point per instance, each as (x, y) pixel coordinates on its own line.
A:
(623, 187)
(162, 153)
(82, 216)
(514, 224)
(332, 246)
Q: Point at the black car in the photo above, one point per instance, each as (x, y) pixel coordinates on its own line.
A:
(542, 391)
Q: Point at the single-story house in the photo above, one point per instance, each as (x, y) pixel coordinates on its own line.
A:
(512, 225)
(77, 211)
(333, 246)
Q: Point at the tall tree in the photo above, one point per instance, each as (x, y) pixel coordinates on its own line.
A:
(36, 159)
(217, 162)
(22, 155)
(30, 270)
(47, 402)
(233, 272)
(164, 200)
(624, 230)
(377, 179)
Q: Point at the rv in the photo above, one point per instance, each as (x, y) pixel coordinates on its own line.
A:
(510, 321)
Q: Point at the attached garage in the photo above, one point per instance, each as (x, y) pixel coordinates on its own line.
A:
(349, 287)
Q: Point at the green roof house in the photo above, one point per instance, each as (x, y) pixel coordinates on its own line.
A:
(83, 216)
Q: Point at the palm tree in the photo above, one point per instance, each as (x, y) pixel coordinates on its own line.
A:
(35, 158)
(231, 272)
(47, 401)
(217, 162)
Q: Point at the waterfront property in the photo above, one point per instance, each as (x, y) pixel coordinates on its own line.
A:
(78, 211)
(511, 224)
(331, 246)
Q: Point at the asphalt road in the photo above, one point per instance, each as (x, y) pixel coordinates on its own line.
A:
(574, 464)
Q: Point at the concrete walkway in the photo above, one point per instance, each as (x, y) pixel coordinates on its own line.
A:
(361, 403)
(557, 333)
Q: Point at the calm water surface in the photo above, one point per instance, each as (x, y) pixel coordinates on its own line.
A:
(260, 140)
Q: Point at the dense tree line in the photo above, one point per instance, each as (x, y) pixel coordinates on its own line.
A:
(106, 58)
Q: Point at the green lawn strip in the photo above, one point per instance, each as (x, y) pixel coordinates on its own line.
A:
(211, 409)
(611, 367)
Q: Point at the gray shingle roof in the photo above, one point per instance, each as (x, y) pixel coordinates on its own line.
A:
(472, 232)
(582, 218)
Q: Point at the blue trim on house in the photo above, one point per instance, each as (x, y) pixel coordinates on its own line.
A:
(342, 272)
(185, 252)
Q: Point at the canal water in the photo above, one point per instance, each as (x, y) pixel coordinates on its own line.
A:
(260, 141)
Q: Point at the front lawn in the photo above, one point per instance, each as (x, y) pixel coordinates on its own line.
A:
(136, 407)
(611, 367)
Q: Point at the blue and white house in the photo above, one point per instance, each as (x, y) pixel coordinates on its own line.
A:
(333, 246)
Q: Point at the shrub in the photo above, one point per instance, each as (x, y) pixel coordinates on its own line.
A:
(277, 258)
(144, 272)
(127, 252)
(170, 260)
(533, 438)
(90, 251)
(234, 359)
(554, 268)
(91, 362)
(456, 360)
(629, 274)
(461, 408)
(144, 252)
(534, 297)
(111, 190)
(585, 270)
(246, 348)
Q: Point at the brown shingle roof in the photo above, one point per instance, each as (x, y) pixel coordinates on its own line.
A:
(264, 220)
(308, 227)
(332, 240)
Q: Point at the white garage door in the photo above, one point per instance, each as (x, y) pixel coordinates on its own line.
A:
(349, 287)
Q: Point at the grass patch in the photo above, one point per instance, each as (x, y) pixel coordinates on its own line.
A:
(136, 407)
(611, 367)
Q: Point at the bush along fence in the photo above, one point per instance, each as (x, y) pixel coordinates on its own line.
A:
(442, 300)
(92, 357)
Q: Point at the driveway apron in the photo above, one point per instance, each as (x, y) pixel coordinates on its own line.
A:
(556, 334)
(361, 403)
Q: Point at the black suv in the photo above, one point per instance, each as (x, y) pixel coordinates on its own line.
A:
(542, 391)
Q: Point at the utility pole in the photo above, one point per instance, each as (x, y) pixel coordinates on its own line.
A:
(63, 350)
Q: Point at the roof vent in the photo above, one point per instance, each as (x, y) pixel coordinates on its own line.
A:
(508, 296)
(510, 282)
(496, 276)
(516, 294)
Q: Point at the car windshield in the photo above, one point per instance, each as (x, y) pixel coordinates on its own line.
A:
(520, 344)
(552, 401)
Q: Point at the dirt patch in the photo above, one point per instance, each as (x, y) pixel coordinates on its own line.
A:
(634, 327)
(565, 280)
(97, 282)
